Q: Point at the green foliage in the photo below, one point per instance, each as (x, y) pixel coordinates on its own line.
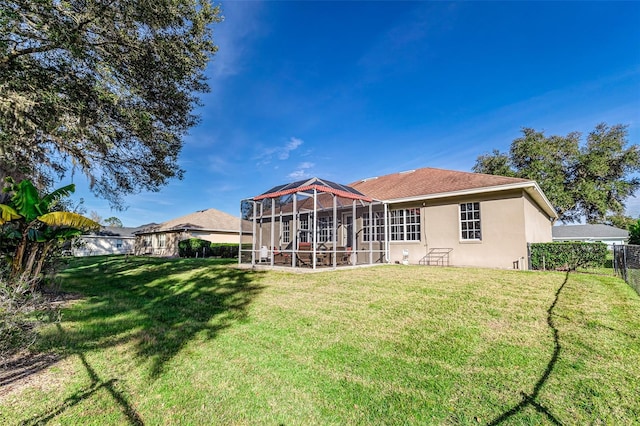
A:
(21, 310)
(620, 221)
(227, 250)
(113, 221)
(108, 88)
(591, 180)
(567, 256)
(634, 233)
(31, 230)
(496, 163)
(195, 247)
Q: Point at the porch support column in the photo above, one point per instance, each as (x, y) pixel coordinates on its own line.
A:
(334, 237)
(261, 220)
(253, 239)
(273, 228)
(387, 255)
(354, 234)
(280, 237)
(315, 226)
(371, 233)
(294, 232)
(239, 233)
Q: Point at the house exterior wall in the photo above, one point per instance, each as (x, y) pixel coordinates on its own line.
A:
(220, 237)
(102, 245)
(508, 221)
(537, 222)
(166, 243)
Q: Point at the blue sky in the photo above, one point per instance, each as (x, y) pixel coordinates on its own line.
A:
(349, 90)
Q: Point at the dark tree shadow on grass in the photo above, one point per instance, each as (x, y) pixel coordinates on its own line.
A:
(96, 385)
(531, 399)
(158, 305)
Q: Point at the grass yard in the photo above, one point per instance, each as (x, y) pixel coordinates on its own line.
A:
(193, 341)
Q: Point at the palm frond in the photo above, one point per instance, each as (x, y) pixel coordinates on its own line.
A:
(65, 234)
(69, 220)
(26, 200)
(64, 191)
(7, 214)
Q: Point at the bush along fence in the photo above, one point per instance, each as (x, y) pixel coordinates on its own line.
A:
(195, 247)
(626, 262)
(566, 256)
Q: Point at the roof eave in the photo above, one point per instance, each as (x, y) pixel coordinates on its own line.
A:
(531, 187)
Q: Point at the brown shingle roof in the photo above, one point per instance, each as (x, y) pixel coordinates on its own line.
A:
(209, 219)
(428, 181)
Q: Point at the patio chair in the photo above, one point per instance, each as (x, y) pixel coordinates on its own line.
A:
(281, 257)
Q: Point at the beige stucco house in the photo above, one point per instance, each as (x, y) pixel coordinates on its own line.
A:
(210, 224)
(424, 216)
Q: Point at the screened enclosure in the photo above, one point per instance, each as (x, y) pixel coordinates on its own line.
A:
(314, 223)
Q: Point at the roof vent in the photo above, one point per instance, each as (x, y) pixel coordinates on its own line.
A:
(407, 171)
(368, 179)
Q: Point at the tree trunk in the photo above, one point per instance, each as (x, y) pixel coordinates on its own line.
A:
(16, 267)
(28, 268)
(43, 257)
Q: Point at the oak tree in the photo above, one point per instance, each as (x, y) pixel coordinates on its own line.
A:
(105, 87)
(588, 180)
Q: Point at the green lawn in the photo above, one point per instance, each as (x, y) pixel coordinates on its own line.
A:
(156, 341)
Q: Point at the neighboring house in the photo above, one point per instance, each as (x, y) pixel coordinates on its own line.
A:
(108, 240)
(428, 216)
(211, 225)
(590, 234)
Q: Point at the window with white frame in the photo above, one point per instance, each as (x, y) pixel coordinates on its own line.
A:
(304, 228)
(405, 224)
(378, 227)
(286, 231)
(325, 229)
(146, 241)
(470, 221)
(162, 240)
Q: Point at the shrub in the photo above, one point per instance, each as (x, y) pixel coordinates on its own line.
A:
(634, 233)
(22, 310)
(194, 247)
(567, 255)
(225, 250)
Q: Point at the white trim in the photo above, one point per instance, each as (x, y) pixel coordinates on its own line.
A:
(460, 221)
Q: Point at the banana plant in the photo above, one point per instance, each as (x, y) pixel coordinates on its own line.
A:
(29, 221)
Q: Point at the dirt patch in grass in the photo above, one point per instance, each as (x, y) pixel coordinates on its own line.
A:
(27, 369)
(24, 370)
